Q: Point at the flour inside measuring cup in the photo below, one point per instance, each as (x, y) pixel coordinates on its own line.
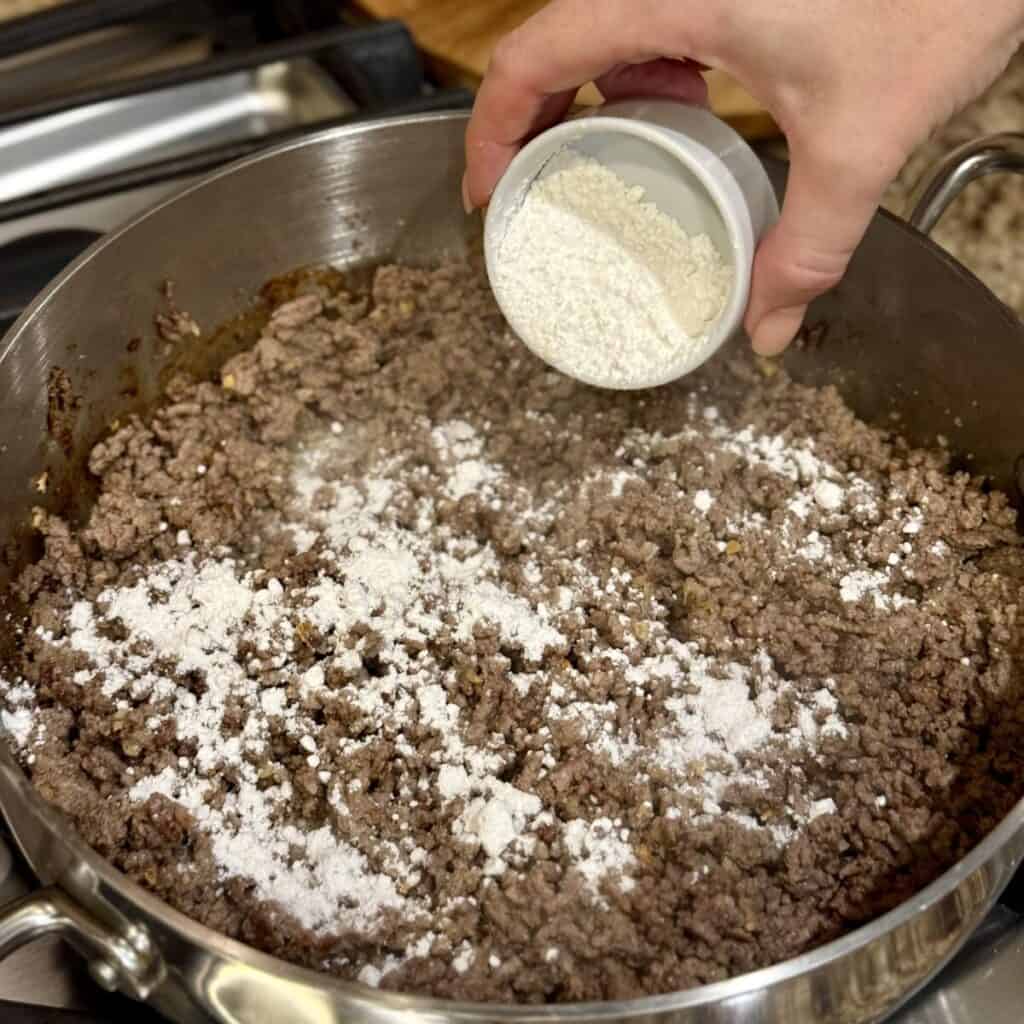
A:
(602, 284)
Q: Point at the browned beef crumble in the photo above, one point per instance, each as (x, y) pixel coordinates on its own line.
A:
(930, 692)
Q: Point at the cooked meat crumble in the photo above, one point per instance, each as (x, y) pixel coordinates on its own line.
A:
(395, 654)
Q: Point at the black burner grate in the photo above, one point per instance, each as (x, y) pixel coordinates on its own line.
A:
(377, 66)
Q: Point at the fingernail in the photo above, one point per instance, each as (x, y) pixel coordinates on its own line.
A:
(777, 329)
(467, 203)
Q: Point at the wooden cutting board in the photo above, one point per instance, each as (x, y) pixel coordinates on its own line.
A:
(459, 35)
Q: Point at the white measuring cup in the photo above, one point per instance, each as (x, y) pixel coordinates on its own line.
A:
(692, 166)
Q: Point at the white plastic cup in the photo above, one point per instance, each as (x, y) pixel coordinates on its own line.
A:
(692, 166)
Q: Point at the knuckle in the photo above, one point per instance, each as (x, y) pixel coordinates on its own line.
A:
(861, 172)
(809, 272)
(506, 58)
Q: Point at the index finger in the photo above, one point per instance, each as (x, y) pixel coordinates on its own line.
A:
(536, 71)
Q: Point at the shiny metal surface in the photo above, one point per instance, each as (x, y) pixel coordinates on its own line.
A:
(48, 973)
(99, 215)
(983, 984)
(890, 339)
(112, 136)
(118, 962)
(980, 985)
(942, 184)
(32, 917)
(101, 55)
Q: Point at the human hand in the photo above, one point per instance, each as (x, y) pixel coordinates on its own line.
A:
(854, 86)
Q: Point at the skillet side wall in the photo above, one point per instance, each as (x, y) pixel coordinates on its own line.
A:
(909, 331)
(87, 351)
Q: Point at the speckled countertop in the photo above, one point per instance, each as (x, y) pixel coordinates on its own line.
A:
(984, 228)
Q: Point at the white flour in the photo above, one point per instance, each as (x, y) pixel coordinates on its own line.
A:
(602, 284)
(820, 491)
(599, 847)
(411, 585)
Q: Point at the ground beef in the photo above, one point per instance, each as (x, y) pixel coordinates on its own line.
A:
(508, 689)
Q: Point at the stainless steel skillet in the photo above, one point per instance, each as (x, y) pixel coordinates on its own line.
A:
(909, 332)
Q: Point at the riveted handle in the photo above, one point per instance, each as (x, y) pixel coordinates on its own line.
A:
(118, 962)
(991, 154)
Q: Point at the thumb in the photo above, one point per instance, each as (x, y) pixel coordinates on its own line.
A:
(827, 209)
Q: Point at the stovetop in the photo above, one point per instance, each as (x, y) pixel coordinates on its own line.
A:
(107, 107)
(127, 101)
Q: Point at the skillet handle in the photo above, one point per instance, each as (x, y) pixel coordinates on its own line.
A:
(126, 963)
(990, 154)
